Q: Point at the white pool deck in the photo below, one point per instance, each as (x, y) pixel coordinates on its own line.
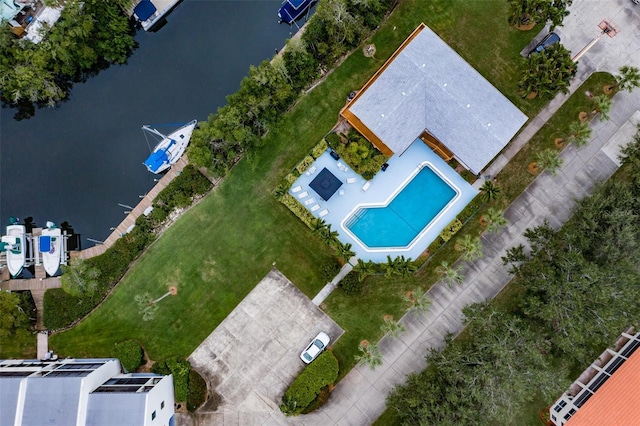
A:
(380, 190)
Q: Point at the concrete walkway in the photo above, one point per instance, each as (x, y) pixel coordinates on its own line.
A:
(328, 289)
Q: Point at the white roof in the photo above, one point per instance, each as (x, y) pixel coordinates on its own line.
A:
(429, 86)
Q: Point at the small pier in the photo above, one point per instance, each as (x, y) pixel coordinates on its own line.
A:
(129, 222)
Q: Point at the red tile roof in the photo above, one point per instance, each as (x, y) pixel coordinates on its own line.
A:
(616, 402)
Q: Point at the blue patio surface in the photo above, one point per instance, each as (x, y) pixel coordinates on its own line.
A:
(381, 190)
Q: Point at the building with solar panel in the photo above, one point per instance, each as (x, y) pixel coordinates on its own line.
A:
(82, 392)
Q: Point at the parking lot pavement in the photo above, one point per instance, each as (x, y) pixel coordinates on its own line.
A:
(251, 358)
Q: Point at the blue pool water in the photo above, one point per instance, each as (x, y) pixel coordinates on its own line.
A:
(411, 210)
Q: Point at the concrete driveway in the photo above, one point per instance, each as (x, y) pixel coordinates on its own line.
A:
(251, 358)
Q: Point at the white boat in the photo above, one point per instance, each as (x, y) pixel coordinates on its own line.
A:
(50, 246)
(13, 244)
(170, 148)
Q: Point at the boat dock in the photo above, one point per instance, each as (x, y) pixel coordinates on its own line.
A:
(142, 207)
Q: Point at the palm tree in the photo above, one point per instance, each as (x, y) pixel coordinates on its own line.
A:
(549, 159)
(364, 268)
(602, 106)
(495, 220)
(318, 225)
(344, 251)
(328, 236)
(449, 274)
(419, 300)
(471, 247)
(369, 354)
(392, 328)
(390, 267)
(579, 133)
(405, 267)
(490, 190)
(628, 79)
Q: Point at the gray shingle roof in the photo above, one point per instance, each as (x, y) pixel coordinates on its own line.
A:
(429, 86)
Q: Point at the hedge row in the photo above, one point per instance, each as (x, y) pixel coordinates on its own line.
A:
(306, 387)
(450, 230)
(298, 209)
(180, 369)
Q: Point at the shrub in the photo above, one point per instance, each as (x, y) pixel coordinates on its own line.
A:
(298, 209)
(291, 178)
(319, 149)
(129, 353)
(197, 391)
(450, 230)
(320, 400)
(306, 387)
(330, 269)
(333, 140)
(350, 284)
(179, 368)
(304, 164)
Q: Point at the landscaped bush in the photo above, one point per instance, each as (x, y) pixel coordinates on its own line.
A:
(129, 353)
(351, 284)
(319, 149)
(304, 164)
(358, 153)
(197, 391)
(291, 178)
(333, 140)
(306, 387)
(450, 230)
(298, 209)
(330, 269)
(180, 369)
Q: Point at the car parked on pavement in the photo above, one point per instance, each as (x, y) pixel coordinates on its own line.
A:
(315, 348)
(547, 41)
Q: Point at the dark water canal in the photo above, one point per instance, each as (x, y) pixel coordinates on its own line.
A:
(78, 161)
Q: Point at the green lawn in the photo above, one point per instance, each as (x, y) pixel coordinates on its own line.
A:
(223, 246)
(21, 345)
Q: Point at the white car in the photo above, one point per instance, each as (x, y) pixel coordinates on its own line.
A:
(317, 345)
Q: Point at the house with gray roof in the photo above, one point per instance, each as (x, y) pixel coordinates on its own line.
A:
(94, 392)
(426, 90)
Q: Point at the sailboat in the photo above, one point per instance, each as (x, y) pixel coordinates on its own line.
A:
(50, 246)
(291, 10)
(169, 150)
(13, 244)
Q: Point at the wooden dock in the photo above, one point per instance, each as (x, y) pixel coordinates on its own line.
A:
(126, 225)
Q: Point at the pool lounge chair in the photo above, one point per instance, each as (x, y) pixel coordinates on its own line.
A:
(296, 189)
(303, 194)
(309, 201)
(323, 213)
(311, 170)
(351, 180)
(314, 208)
(366, 185)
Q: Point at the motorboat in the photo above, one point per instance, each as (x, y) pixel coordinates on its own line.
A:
(14, 246)
(50, 247)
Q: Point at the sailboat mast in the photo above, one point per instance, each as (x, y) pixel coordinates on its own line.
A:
(145, 127)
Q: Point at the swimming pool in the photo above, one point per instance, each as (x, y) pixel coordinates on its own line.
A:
(407, 214)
